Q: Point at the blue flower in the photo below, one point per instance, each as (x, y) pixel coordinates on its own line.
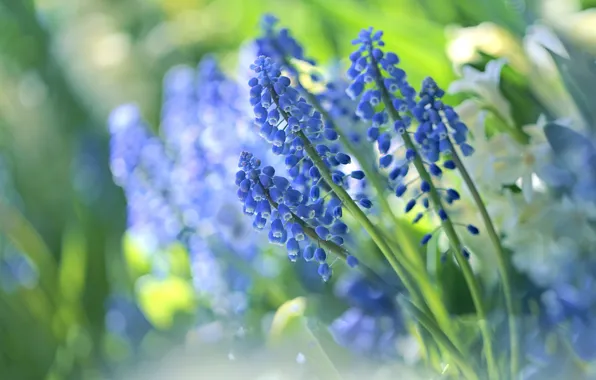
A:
(178, 183)
(334, 107)
(429, 129)
(295, 200)
(372, 321)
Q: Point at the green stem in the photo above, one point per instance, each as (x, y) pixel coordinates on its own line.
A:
(440, 337)
(501, 262)
(388, 253)
(375, 180)
(359, 215)
(352, 207)
(348, 203)
(449, 231)
(330, 246)
(412, 261)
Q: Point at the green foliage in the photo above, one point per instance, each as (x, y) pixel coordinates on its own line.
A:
(579, 75)
(77, 245)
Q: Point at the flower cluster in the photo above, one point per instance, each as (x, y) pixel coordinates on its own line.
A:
(293, 128)
(328, 100)
(176, 183)
(140, 166)
(386, 96)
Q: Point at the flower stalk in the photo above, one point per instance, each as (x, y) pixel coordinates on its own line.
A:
(411, 260)
(406, 246)
(501, 262)
(432, 299)
(449, 229)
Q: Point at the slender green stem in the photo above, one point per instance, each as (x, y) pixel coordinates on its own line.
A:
(390, 255)
(462, 261)
(375, 180)
(449, 231)
(412, 260)
(502, 263)
(348, 203)
(440, 338)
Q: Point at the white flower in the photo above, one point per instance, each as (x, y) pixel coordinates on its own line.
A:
(486, 86)
(538, 248)
(501, 160)
(546, 236)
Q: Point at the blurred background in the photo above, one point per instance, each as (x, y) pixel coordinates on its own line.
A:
(72, 303)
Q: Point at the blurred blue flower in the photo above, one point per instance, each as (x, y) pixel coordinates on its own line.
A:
(176, 185)
(573, 167)
(372, 321)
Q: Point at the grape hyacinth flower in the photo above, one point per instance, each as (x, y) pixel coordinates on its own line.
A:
(279, 45)
(141, 167)
(177, 185)
(385, 94)
(318, 156)
(303, 212)
(336, 109)
(387, 97)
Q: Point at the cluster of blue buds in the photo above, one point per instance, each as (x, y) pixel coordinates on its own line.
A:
(279, 45)
(304, 207)
(287, 212)
(385, 97)
(336, 108)
(140, 165)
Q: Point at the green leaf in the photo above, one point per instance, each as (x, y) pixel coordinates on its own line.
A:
(463, 363)
(455, 289)
(469, 330)
(291, 329)
(72, 264)
(579, 76)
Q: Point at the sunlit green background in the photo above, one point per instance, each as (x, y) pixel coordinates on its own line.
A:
(64, 64)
